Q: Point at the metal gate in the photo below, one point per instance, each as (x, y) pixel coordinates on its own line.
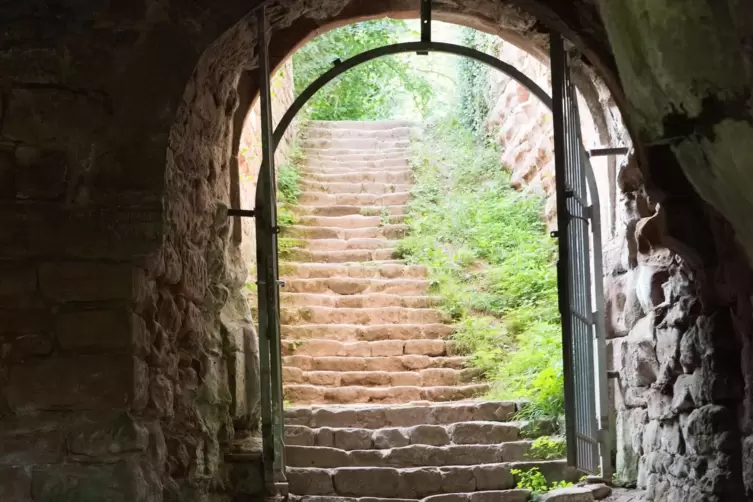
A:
(583, 344)
(578, 222)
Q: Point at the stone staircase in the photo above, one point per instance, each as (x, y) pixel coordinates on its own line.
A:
(378, 403)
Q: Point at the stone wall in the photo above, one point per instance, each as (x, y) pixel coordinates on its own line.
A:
(123, 331)
(672, 344)
(524, 131)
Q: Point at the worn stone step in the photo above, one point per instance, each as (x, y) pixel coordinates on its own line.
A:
(394, 177)
(345, 210)
(406, 415)
(358, 301)
(360, 125)
(371, 316)
(315, 394)
(410, 483)
(431, 377)
(399, 132)
(342, 256)
(347, 244)
(356, 270)
(462, 433)
(369, 143)
(352, 332)
(336, 165)
(319, 347)
(342, 187)
(350, 154)
(515, 495)
(358, 285)
(416, 455)
(384, 232)
(411, 362)
(350, 221)
(358, 199)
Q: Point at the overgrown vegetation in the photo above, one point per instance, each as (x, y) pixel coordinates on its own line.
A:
(548, 448)
(375, 90)
(491, 261)
(288, 191)
(474, 99)
(534, 480)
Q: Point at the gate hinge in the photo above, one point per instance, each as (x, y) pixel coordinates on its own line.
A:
(554, 234)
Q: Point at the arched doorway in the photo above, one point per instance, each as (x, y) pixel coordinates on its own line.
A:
(581, 302)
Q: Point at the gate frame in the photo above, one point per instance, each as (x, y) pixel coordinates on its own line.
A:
(265, 214)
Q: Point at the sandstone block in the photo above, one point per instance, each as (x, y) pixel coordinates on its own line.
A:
(15, 484)
(325, 436)
(88, 281)
(428, 435)
(572, 494)
(500, 496)
(27, 440)
(300, 436)
(390, 438)
(77, 382)
(417, 483)
(367, 481)
(102, 436)
(405, 416)
(97, 330)
(425, 347)
(310, 481)
(371, 418)
(353, 439)
(482, 433)
(493, 477)
(315, 456)
(457, 479)
(111, 482)
(333, 417)
(385, 348)
(403, 379)
(19, 283)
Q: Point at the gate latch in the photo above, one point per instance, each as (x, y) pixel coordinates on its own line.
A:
(282, 283)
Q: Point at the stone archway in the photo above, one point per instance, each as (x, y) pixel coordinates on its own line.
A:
(119, 301)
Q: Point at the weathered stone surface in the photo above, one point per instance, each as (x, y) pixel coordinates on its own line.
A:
(428, 435)
(374, 482)
(80, 382)
(641, 367)
(118, 482)
(32, 440)
(390, 438)
(630, 429)
(310, 481)
(102, 436)
(98, 330)
(482, 433)
(493, 477)
(353, 439)
(599, 490)
(79, 281)
(15, 484)
(572, 494)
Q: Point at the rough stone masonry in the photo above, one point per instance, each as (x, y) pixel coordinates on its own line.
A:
(119, 300)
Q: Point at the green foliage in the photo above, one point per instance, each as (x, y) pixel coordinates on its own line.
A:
(491, 260)
(289, 186)
(374, 90)
(473, 77)
(548, 448)
(533, 480)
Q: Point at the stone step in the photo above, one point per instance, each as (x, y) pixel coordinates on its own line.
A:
(355, 143)
(370, 316)
(398, 132)
(347, 210)
(417, 455)
(407, 415)
(358, 286)
(349, 221)
(358, 199)
(345, 256)
(336, 165)
(359, 125)
(410, 362)
(356, 270)
(341, 187)
(515, 495)
(358, 301)
(383, 232)
(416, 483)
(315, 394)
(319, 347)
(431, 377)
(350, 154)
(352, 332)
(347, 244)
(460, 433)
(390, 482)
(345, 176)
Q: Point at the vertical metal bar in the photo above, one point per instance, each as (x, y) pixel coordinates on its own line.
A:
(557, 53)
(426, 20)
(269, 294)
